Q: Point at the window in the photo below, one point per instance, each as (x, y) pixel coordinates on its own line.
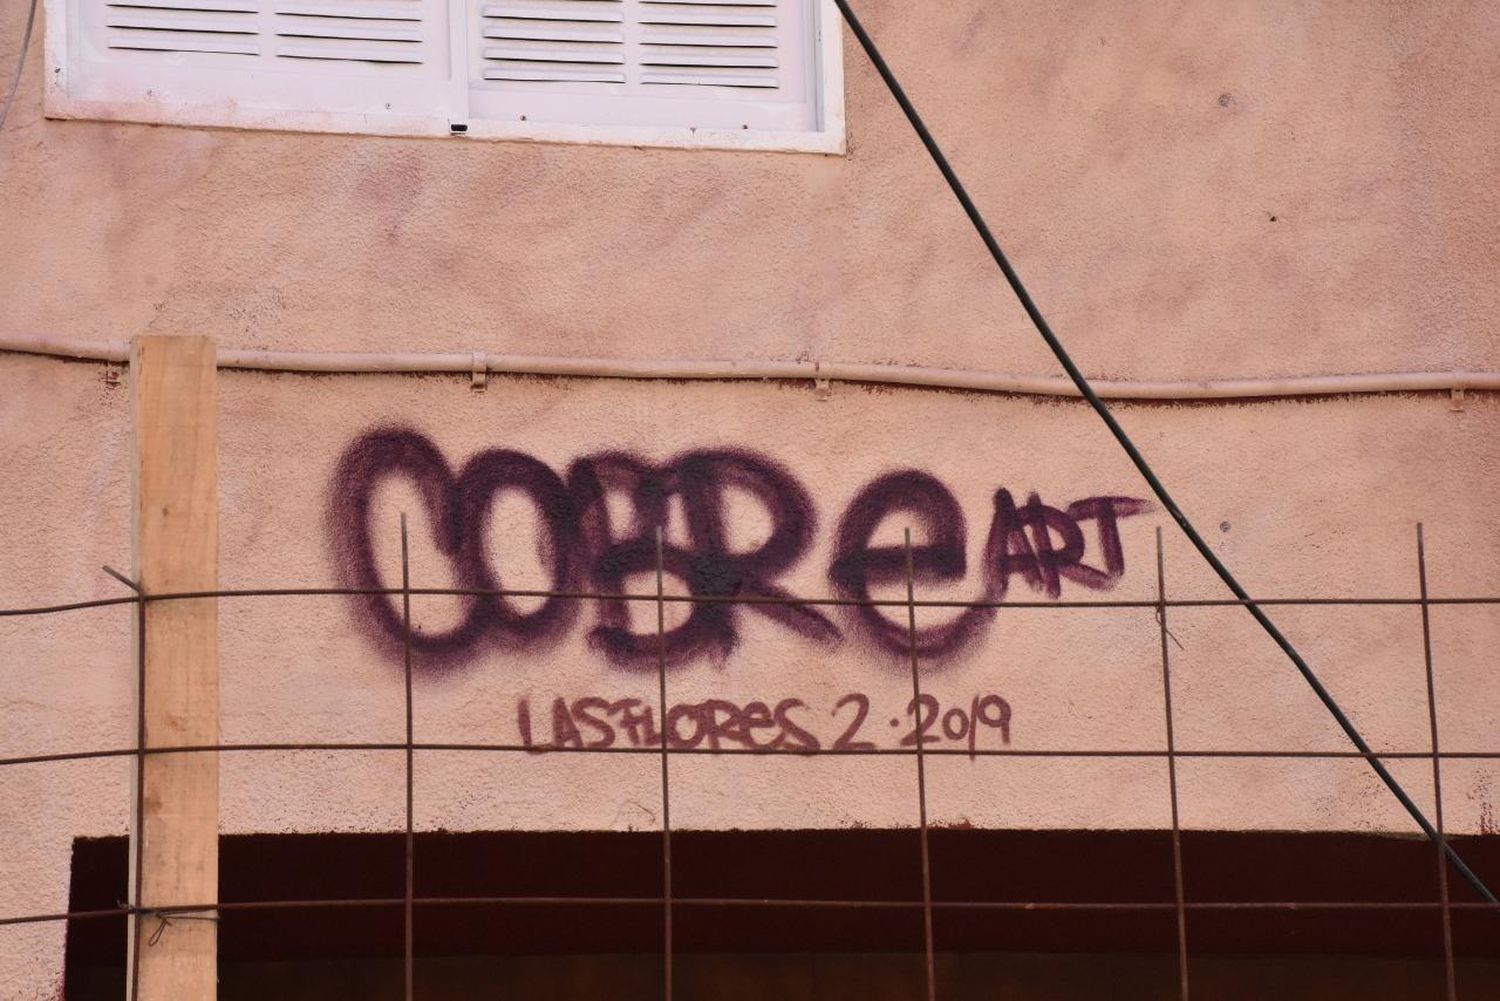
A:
(736, 74)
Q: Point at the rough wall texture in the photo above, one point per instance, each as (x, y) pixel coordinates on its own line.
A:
(1305, 499)
(1193, 190)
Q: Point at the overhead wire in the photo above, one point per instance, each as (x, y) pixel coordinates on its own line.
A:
(1137, 459)
(15, 83)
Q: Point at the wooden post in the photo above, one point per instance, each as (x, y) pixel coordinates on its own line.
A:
(175, 834)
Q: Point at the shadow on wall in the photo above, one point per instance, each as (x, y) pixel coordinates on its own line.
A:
(552, 951)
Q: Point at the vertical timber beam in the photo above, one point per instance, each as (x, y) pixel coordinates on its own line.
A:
(174, 840)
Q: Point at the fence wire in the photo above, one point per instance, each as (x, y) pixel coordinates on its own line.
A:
(1444, 906)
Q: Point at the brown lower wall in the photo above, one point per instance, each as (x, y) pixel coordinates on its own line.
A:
(844, 977)
(540, 951)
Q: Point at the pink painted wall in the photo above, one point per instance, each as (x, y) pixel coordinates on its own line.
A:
(1132, 161)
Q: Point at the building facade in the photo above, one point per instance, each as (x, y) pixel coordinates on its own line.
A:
(761, 323)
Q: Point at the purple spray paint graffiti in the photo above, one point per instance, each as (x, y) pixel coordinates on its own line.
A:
(700, 480)
(581, 547)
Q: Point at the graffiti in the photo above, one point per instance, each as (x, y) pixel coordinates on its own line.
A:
(584, 544)
(457, 506)
(715, 725)
(701, 479)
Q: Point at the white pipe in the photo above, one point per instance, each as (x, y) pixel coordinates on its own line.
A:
(475, 363)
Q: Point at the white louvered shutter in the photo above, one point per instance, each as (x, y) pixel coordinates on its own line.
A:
(727, 73)
(709, 64)
(261, 59)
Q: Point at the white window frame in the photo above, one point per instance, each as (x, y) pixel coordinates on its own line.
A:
(61, 102)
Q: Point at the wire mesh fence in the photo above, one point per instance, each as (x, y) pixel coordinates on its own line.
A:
(1175, 900)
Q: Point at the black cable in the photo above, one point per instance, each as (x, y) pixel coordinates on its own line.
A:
(15, 84)
(1042, 327)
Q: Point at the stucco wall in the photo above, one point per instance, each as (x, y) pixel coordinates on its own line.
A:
(1193, 190)
(1303, 499)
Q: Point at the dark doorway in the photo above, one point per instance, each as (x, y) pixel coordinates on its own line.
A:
(729, 944)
